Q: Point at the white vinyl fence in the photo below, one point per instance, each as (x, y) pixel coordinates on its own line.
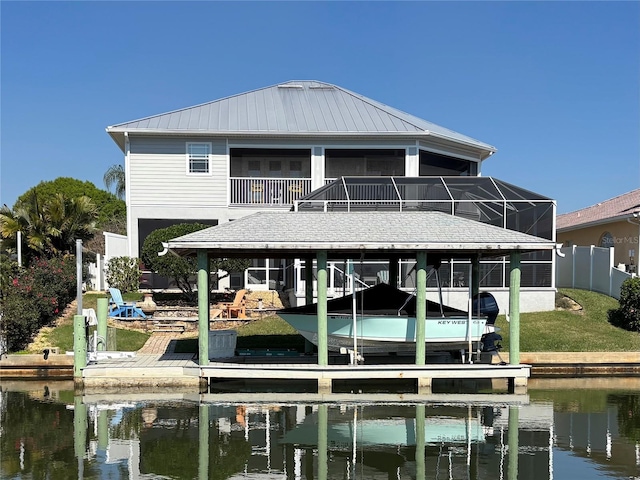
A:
(115, 246)
(95, 280)
(589, 268)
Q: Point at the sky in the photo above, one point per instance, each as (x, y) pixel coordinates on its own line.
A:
(554, 86)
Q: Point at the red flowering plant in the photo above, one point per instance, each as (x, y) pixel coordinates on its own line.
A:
(35, 296)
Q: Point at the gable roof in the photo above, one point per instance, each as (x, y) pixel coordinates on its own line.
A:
(293, 108)
(614, 209)
(349, 233)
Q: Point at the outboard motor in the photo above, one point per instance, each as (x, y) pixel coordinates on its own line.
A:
(485, 304)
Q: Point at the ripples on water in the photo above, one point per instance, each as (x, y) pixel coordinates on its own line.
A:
(581, 428)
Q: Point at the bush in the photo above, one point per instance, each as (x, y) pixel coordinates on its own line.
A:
(123, 273)
(35, 296)
(181, 269)
(628, 315)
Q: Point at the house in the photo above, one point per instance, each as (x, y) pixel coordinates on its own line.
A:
(611, 223)
(267, 149)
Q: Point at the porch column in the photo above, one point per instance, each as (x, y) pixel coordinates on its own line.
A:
(308, 295)
(393, 271)
(514, 308)
(323, 352)
(203, 307)
(421, 306)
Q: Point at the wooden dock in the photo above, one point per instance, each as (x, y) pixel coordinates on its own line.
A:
(183, 370)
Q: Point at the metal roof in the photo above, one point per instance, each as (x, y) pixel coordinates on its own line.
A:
(612, 210)
(378, 234)
(293, 108)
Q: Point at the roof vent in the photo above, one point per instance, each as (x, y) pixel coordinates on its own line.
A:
(321, 86)
(290, 85)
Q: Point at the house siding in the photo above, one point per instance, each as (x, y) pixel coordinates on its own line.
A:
(158, 174)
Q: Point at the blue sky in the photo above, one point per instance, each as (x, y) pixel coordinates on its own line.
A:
(555, 86)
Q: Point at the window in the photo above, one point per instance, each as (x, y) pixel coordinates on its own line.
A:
(198, 158)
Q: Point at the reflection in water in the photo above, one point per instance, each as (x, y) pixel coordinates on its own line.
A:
(546, 434)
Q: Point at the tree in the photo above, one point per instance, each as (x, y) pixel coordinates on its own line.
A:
(115, 176)
(49, 228)
(182, 269)
(108, 205)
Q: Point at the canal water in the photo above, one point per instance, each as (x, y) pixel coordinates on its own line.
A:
(559, 429)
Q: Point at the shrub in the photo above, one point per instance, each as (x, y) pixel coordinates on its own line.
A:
(628, 315)
(35, 296)
(123, 273)
(181, 269)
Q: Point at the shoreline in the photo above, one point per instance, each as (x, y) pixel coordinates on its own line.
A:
(543, 365)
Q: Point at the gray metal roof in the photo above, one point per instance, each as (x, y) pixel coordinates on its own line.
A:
(342, 234)
(293, 108)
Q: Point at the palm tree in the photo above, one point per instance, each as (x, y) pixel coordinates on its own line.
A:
(49, 229)
(115, 176)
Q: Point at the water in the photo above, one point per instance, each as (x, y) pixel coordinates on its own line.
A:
(560, 429)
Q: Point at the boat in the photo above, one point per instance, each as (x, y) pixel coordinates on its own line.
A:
(385, 322)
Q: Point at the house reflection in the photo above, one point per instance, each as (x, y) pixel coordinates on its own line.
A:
(220, 437)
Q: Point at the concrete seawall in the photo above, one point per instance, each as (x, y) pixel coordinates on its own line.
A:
(543, 364)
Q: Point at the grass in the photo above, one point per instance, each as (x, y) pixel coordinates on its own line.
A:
(270, 332)
(61, 335)
(587, 330)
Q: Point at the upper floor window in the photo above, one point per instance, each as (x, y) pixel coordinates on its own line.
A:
(198, 158)
(435, 165)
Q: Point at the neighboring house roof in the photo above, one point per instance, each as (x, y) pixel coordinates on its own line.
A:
(293, 108)
(612, 210)
(347, 233)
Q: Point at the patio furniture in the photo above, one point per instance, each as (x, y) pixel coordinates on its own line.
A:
(237, 308)
(119, 308)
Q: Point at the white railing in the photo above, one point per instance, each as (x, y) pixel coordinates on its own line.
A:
(267, 191)
(590, 268)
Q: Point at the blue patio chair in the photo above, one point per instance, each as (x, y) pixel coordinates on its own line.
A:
(119, 308)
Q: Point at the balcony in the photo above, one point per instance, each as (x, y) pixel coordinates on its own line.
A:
(267, 192)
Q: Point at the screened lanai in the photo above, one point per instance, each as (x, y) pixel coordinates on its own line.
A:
(483, 199)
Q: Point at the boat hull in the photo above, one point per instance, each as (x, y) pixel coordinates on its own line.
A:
(391, 334)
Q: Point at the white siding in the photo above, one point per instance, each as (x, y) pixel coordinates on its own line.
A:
(158, 174)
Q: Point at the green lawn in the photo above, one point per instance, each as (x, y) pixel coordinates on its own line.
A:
(125, 340)
(587, 330)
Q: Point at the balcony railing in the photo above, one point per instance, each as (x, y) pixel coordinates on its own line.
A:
(268, 191)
